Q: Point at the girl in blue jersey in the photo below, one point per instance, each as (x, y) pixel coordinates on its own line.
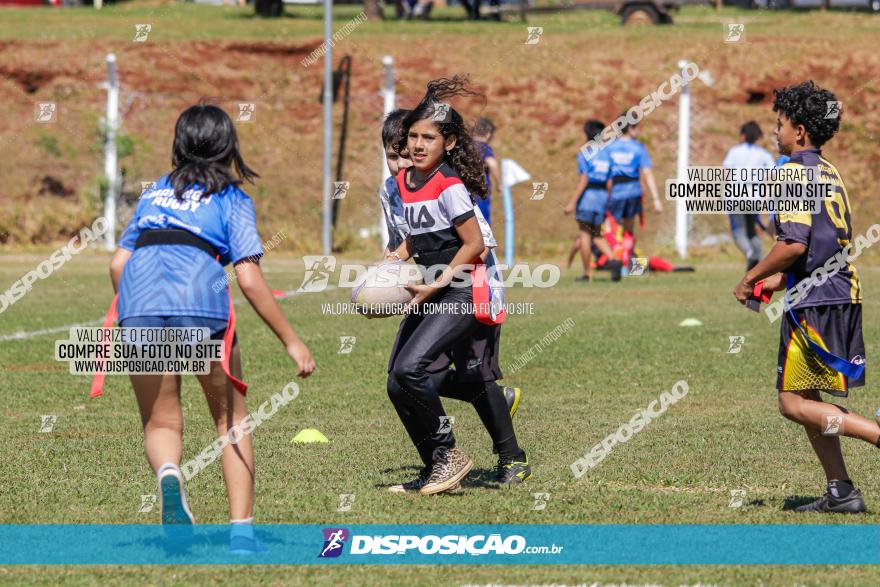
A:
(169, 272)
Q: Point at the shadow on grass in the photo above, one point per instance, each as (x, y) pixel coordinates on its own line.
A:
(794, 501)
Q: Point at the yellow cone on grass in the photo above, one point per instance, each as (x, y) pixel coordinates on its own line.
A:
(309, 435)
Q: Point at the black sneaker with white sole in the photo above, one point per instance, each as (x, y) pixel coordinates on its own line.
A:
(853, 503)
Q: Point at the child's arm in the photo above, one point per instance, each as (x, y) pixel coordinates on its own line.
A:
(581, 186)
(117, 264)
(401, 253)
(472, 245)
(648, 174)
(780, 258)
(254, 287)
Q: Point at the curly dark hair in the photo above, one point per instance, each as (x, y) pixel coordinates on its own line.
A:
(807, 104)
(464, 158)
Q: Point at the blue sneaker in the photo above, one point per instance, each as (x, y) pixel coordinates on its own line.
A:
(243, 541)
(172, 500)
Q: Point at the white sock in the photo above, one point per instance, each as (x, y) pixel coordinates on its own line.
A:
(167, 467)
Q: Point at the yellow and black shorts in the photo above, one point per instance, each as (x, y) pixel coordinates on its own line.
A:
(837, 329)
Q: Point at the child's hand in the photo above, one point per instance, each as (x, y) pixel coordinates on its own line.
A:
(302, 356)
(569, 208)
(775, 282)
(421, 292)
(743, 291)
(658, 205)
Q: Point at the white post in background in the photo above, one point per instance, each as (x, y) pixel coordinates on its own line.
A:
(511, 174)
(328, 125)
(684, 135)
(110, 171)
(390, 98)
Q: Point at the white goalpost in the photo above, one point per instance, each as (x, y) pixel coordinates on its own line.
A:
(684, 130)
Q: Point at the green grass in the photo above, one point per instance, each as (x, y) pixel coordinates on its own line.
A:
(625, 349)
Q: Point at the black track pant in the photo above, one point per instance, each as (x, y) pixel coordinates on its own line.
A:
(422, 339)
(488, 400)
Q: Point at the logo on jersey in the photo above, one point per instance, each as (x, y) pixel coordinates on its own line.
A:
(421, 220)
(334, 541)
(318, 270)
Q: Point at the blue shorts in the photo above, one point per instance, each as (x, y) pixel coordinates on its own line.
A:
(627, 208)
(590, 217)
(217, 326)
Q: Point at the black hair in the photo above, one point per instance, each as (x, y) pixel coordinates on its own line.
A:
(626, 126)
(464, 157)
(593, 129)
(751, 131)
(392, 128)
(205, 148)
(483, 127)
(808, 104)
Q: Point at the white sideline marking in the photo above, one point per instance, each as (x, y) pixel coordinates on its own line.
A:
(21, 335)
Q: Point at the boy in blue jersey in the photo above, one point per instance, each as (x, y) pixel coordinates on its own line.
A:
(590, 201)
(169, 261)
(477, 367)
(484, 130)
(630, 164)
(828, 315)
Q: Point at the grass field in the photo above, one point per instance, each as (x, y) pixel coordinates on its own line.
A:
(625, 349)
(725, 434)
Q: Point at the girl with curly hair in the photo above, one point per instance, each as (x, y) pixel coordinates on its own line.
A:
(444, 234)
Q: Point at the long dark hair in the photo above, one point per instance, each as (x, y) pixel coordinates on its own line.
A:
(464, 157)
(205, 148)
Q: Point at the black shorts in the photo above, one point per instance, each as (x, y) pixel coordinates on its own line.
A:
(836, 328)
(475, 359)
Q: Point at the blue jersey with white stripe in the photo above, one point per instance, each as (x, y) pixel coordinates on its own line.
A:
(628, 158)
(597, 170)
(180, 280)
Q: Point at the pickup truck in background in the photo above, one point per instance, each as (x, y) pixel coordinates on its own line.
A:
(631, 12)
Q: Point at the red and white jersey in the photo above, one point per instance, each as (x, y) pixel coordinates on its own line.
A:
(433, 208)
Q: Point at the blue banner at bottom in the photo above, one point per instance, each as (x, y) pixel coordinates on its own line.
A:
(442, 544)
